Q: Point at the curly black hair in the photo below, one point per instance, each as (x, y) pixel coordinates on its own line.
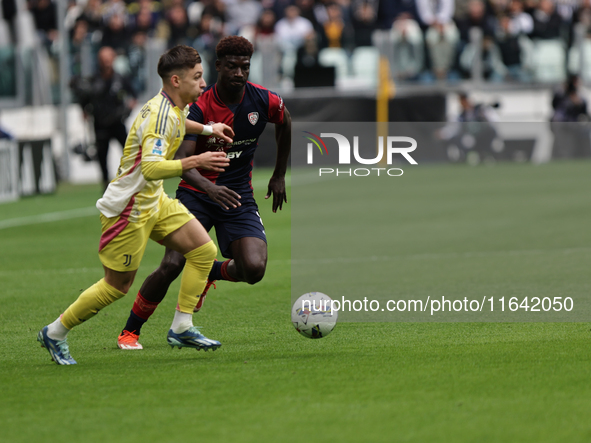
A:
(234, 45)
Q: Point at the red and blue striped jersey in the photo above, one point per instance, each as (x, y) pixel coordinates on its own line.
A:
(248, 119)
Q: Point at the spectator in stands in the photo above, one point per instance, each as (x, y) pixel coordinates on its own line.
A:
(334, 27)
(154, 7)
(566, 9)
(520, 22)
(293, 29)
(73, 12)
(581, 17)
(583, 14)
(441, 42)
(441, 34)
(408, 49)
(137, 62)
(476, 17)
(93, 15)
(279, 7)
(547, 22)
(364, 21)
(475, 112)
(391, 10)
(492, 63)
(109, 98)
(45, 15)
(209, 34)
(8, 11)
(569, 107)
(435, 12)
(307, 55)
(241, 13)
(310, 9)
(115, 34)
(144, 21)
(510, 47)
(181, 32)
(77, 39)
(266, 24)
(465, 141)
(215, 8)
(114, 7)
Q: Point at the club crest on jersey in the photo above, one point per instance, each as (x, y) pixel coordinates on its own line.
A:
(253, 118)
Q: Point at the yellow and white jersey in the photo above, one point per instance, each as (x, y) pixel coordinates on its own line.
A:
(153, 140)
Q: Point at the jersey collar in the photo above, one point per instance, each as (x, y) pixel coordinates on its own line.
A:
(220, 101)
(167, 98)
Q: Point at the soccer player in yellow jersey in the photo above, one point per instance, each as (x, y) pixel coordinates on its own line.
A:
(135, 208)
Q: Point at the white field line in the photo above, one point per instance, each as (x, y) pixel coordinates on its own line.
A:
(80, 212)
(429, 256)
(97, 269)
(439, 256)
(65, 271)
(48, 217)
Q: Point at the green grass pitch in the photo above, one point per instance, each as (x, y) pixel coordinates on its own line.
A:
(366, 382)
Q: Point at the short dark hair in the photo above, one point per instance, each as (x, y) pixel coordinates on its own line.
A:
(234, 45)
(179, 58)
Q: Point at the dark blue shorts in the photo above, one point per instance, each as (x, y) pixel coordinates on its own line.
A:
(230, 225)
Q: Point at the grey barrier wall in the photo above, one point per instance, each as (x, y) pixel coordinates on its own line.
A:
(9, 176)
(32, 170)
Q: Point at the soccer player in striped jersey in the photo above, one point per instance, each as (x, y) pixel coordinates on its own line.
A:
(135, 208)
(224, 199)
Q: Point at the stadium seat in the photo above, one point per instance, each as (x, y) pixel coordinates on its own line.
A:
(25, 29)
(336, 57)
(288, 62)
(549, 61)
(256, 68)
(527, 53)
(574, 60)
(5, 39)
(7, 73)
(408, 57)
(365, 64)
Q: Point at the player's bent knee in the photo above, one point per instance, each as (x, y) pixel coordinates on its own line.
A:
(255, 277)
(122, 287)
(253, 272)
(204, 253)
(211, 250)
(121, 281)
(172, 267)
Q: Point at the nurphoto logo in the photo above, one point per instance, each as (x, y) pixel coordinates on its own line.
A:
(393, 145)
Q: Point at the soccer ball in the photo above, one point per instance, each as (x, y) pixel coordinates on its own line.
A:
(313, 316)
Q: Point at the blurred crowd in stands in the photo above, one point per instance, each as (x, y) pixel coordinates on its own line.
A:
(431, 39)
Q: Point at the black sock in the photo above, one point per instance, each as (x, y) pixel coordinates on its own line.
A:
(134, 323)
(216, 271)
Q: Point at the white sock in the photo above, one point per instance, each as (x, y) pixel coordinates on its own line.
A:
(181, 322)
(56, 330)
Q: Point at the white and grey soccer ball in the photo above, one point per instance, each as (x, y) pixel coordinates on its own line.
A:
(313, 315)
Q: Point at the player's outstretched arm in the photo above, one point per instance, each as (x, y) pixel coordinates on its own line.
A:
(277, 182)
(218, 129)
(161, 169)
(214, 161)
